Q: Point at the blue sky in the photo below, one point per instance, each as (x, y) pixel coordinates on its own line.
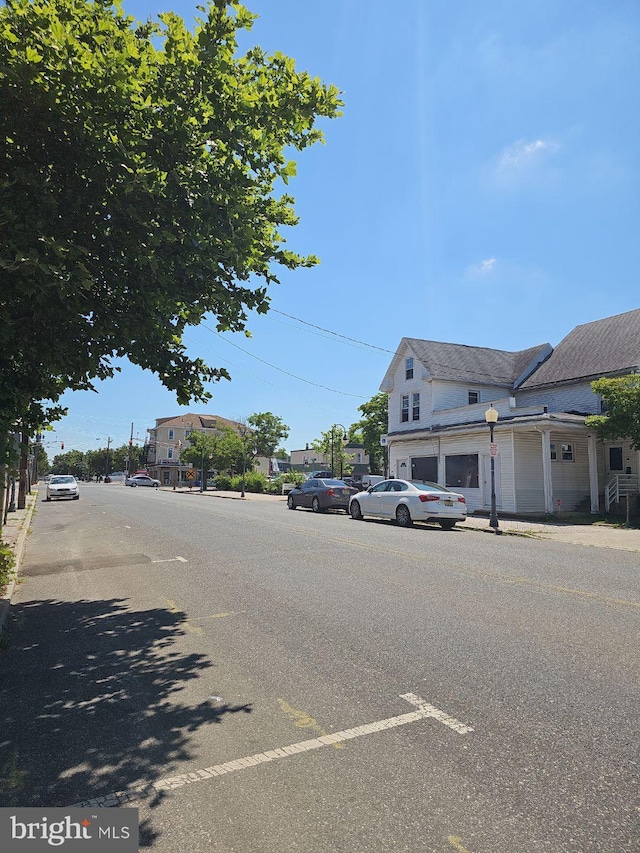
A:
(482, 187)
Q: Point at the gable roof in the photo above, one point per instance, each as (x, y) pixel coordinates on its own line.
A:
(462, 363)
(196, 422)
(608, 346)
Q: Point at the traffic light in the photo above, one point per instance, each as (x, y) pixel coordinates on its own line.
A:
(62, 445)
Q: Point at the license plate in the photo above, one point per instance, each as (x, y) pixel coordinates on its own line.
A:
(448, 503)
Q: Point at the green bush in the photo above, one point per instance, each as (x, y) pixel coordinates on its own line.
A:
(7, 564)
(223, 482)
(254, 481)
(274, 487)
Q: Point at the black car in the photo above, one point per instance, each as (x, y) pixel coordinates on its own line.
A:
(321, 494)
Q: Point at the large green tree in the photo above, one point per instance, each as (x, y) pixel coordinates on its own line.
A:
(268, 430)
(139, 190)
(201, 452)
(621, 420)
(372, 427)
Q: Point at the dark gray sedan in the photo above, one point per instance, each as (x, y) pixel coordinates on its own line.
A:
(320, 494)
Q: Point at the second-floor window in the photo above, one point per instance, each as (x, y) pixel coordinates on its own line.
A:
(404, 409)
(474, 397)
(170, 434)
(169, 453)
(408, 368)
(415, 407)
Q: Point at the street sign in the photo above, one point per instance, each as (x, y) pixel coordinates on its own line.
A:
(191, 473)
(383, 440)
(493, 449)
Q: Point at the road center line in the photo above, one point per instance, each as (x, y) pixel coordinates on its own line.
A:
(423, 711)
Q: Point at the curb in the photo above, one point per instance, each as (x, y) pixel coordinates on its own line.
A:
(5, 601)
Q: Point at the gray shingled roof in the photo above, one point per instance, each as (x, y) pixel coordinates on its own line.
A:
(479, 364)
(611, 345)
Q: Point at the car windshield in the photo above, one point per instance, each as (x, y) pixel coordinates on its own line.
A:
(63, 479)
(429, 487)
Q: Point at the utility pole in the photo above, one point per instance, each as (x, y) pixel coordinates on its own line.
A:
(127, 473)
(106, 466)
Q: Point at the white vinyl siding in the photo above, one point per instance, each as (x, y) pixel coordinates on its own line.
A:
(452, 395)
(529, 483)
(568, 398)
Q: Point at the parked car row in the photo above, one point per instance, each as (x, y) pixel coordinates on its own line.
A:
(402, 501)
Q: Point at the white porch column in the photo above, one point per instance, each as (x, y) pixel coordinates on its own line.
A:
(593, 474)
(546, 471)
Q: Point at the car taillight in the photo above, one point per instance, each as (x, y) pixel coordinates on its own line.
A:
(462, 500)
(425, 498)
(330, 492)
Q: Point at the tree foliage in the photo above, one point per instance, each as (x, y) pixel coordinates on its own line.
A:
(268, 431)
(71, 462)
(138, 191)
(621, 420)
(331, 445)
(373, 425)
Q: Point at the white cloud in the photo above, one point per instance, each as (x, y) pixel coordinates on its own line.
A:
(483, 268)
(524, 162)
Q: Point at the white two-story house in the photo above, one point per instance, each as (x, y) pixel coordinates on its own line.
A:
(547, 460)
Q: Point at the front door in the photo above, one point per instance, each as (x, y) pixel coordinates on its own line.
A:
(403, 472)
(486, 481)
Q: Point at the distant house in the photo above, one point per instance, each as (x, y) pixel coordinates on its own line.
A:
(311, 460)
(171, 435)
(547, 460)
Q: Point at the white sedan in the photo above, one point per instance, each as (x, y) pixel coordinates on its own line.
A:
(142, 480)
(407, 501)
(63, 486)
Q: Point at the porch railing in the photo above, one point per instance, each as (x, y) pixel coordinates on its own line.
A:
(619, 487)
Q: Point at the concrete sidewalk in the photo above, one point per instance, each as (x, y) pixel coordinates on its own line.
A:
(14, 534)
(597, 535)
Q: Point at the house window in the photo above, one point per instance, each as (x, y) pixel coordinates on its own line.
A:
(169, 453)
(415, 407)
(404, 409)
(461, 471)
(408, 368)
(615, 459)
(170, 434)
(474, 397)
(567, 452)
(187, 433)
(553, 451)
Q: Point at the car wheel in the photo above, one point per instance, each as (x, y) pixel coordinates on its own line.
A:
(447, 523)
(356, 511)
(315, 505)
(76, 498)
(291, 503)
(403, 516)
(133, 485)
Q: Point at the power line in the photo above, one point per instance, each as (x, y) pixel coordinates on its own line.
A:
(335, 334)
(286, 372)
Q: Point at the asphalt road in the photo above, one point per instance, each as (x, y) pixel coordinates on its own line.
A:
(483, 692)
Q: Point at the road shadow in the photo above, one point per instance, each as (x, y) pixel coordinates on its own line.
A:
(88, 704)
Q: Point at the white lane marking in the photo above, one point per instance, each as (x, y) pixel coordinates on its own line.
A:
(440, 716)
(423, 711)
(171, 560)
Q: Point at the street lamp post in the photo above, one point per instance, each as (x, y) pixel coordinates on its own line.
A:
(344, 438)
(491, 417)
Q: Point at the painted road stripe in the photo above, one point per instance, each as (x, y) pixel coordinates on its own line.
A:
(423, 711)
(171, 560)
